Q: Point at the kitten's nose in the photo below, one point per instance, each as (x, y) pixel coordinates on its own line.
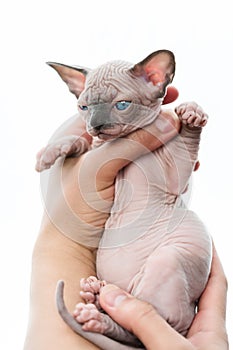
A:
(100, 116)
(104, 126)
(109, 126)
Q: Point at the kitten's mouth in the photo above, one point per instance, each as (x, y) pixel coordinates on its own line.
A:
(107, 132)
(106, 137)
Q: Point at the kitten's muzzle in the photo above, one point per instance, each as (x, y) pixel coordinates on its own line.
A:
(99, 115)
(106, 131)
(100, 123)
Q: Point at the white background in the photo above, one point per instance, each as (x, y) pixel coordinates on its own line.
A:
(34, 102)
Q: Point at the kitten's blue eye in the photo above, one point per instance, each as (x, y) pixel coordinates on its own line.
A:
(122, 105)
(83, 108)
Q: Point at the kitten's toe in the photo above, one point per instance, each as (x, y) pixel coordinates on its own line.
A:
(90, 317)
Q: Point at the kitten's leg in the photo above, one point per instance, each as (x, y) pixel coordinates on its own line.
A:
(90, 289)
(95, 321)
(92, 317)
(63, 147)
(162, 282)
(180, 155)
(190, 113)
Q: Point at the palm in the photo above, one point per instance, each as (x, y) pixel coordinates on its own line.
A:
(204, 333)
(208, 328)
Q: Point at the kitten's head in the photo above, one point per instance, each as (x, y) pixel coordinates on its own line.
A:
(118, 97)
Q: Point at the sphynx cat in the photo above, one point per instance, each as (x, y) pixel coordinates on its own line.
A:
(152, 245)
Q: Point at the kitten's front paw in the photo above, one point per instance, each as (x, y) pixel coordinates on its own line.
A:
(65, 146)
(190, 113)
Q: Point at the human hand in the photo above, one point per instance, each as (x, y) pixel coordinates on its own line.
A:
(78, 194)
(207, 331)
(171, 95)
(72, 138)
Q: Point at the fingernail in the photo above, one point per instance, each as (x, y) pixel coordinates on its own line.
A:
(112, 295)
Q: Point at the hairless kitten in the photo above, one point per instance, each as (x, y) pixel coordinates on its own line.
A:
(152, 245)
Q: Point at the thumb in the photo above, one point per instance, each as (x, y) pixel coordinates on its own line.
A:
(171, 95)
(140, 318)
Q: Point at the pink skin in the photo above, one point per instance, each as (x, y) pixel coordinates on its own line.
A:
(90, 288)
(174, 288)
(91, 317)
(97, 103)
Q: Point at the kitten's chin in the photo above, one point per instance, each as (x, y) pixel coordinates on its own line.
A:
(107, 137)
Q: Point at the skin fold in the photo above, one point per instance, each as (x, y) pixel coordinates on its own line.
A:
(164, 247)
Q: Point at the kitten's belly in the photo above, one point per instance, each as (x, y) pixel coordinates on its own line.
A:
(153, 246)
(182, 231)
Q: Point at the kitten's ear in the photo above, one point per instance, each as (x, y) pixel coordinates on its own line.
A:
(73, 76)
(158, 68)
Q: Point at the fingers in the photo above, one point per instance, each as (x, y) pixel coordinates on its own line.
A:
(113, 156)
(141, 319)
(214, 296)
(171, 95)
(210, 319)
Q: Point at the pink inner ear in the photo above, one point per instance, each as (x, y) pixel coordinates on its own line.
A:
(155, 75)
(158, 68)
(75, 83)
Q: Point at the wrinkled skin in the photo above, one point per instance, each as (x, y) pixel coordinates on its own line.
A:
(164, 248)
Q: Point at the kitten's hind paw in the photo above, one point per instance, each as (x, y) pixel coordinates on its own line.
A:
(91, 287)
(90, 317)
